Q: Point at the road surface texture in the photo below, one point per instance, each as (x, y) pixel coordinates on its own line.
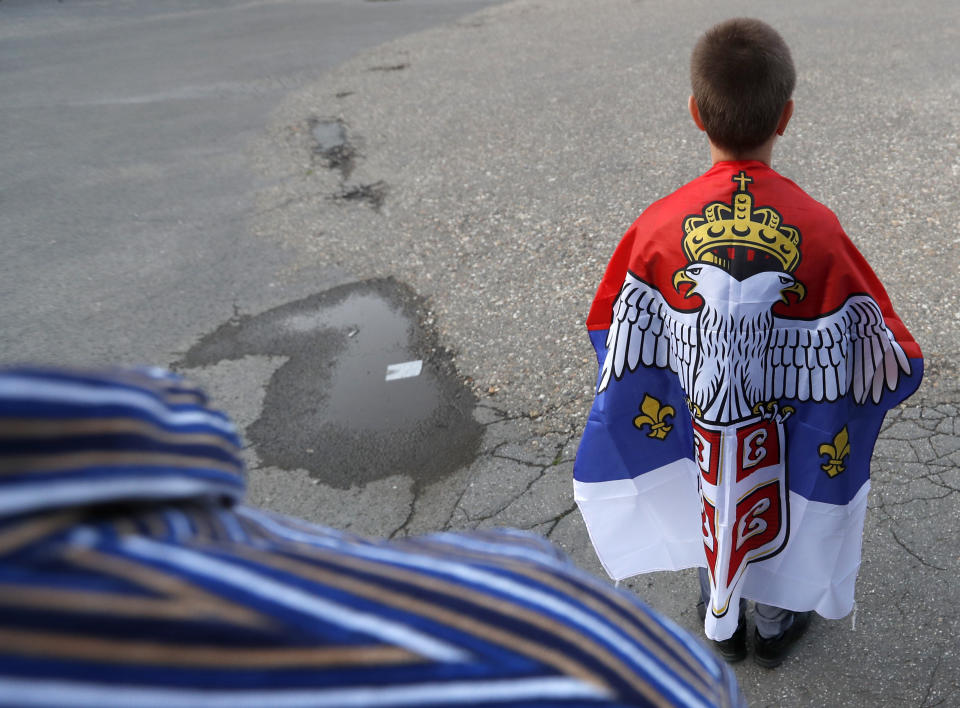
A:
(485, 169)
(126, 183)
(496, 163)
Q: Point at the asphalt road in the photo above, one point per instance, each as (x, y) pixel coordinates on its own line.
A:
(126, 184)
(511, 150)
(128, 190)
(494, 162)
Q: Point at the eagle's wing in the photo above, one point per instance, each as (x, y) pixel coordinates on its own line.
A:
(823, 359)
(646, 330)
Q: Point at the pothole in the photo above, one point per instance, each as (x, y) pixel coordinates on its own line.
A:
(365, 392)
(332, 145)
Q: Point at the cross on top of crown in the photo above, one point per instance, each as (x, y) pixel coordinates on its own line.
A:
(743, 180)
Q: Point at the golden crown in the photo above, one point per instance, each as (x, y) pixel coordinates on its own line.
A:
(736, 233)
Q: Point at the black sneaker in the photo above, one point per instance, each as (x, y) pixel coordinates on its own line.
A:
(770, 653)
(734, 649)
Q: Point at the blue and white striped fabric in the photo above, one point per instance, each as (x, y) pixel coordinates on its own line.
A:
(130, 575)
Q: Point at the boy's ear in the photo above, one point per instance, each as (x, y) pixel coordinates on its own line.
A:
(785, 117)
(695, 112)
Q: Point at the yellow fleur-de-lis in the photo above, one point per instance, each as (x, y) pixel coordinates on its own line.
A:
(654, 414)
(835, 453)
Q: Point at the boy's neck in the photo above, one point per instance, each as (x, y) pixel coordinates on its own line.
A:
(762, 153)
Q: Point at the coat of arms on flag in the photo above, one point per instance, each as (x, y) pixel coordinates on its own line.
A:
(740, 344)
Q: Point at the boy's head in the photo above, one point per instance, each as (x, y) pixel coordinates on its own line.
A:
(742, 77)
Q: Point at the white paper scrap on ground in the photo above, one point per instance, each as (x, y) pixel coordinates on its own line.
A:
(405, 370)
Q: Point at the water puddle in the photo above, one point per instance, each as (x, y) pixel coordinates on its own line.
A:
(360, 394)
(329, 134)
(365, 392)
(332, 145)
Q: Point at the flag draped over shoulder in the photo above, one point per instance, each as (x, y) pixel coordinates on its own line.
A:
(747, 355)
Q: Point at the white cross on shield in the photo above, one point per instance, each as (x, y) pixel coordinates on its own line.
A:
(744, 506)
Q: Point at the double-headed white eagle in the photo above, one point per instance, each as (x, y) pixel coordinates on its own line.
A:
(733, 353)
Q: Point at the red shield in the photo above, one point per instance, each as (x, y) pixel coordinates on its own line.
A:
(744, 502)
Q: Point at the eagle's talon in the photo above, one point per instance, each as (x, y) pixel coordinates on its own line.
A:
(771, 410)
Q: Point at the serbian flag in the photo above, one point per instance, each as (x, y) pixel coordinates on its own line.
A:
(747, 354)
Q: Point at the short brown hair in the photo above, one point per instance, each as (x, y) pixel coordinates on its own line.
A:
(742, 76)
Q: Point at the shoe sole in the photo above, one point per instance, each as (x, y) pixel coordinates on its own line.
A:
(767, 663)
(731, 658)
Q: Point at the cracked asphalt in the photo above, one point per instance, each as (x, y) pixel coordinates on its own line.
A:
(508, 152)
(494, 162)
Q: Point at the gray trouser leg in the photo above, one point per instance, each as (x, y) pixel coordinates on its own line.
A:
(770, 620)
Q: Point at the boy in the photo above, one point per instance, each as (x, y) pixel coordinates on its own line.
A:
(747, 355)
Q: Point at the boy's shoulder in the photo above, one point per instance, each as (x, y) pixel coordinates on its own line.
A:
(743, 212)
(718, 185)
